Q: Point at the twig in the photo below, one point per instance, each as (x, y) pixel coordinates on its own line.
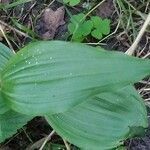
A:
(131, 50)
(14, 29)
(100, 3)
(40, 142)
(4, 35)
(66, 144)
(47, 139)
(36, 145)
(29, 10)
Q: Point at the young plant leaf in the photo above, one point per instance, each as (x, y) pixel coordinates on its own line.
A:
(10, 122)
(53, 77)
(97, 34)
(101, 27)
(102, 122)
(72, 2)
(80, 27)
(5, 55)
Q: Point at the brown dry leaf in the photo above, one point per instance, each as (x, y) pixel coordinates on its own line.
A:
(5, 1)
(50, 21)
(105, 9)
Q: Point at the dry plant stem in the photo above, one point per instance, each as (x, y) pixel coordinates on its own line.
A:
(131, 50)
(66, 144)
(29, 10)
(36, 145)
(14, 29)
(94, 8)
(4, 35)
(47, 139)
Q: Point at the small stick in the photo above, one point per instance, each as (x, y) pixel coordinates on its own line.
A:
(131, 50)
(4, 35)
(66, 144)
(14, 29)
(47, 139)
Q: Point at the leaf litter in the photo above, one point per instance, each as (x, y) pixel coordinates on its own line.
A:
(49, 22)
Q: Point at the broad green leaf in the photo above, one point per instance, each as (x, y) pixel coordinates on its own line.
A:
(5, 55)
(3, 107)
(52, 77)
(10, 122)
(104, 121)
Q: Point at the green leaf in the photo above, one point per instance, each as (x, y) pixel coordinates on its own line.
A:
(72, 2)
(81, 30)
(105, 26)
(96, 21)
(120, 148)
(10, 122)
(66, 1)
(96, 34)
(77, 27)
(77, 33)
(101, 27)
(3, 107)
(102, 122)
(86, 28)
(71, 27)
(5, 55)
(79, 18)
(52, 77)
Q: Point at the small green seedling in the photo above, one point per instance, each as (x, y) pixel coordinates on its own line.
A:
(80, 27)
(100, 27)
(72, 2)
